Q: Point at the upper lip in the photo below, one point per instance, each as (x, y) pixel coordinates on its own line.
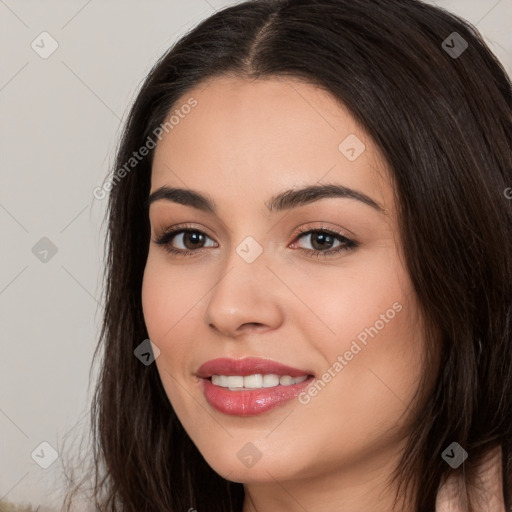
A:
(247, 366)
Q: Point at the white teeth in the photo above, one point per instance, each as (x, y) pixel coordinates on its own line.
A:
(223, 380)
(235, 381)
(253, 381)
(257, 381)
(285, 380)
(271, 380)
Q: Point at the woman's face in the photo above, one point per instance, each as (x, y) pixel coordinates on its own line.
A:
(258, 285)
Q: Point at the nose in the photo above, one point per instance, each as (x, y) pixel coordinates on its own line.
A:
(247, 297)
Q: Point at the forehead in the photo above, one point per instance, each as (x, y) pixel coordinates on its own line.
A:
(257, 137)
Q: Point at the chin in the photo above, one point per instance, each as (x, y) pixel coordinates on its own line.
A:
(249, 464)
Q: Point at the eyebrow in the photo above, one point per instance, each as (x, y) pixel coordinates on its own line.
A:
(292, 198)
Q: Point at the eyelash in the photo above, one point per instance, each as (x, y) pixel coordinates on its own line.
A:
(347, 244)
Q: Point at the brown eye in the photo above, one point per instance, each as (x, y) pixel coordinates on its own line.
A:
(192, 240)
(322, 241)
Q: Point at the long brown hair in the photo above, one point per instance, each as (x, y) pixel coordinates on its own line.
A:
(443, 121)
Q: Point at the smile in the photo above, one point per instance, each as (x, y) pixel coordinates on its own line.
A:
(257, 381)
(250, 386)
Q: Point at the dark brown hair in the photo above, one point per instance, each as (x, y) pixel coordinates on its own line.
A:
(444, 125)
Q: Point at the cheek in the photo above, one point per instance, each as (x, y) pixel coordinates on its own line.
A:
(372, 336)
(154, 298)
(166, 305)
(171, 303)
(381, 351)
(372, 298)
(167, 297)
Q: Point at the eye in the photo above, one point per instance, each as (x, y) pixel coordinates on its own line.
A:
(191, 238)
(322, 240)
(193, 241)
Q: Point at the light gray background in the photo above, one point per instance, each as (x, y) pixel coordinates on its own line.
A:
(60, 122)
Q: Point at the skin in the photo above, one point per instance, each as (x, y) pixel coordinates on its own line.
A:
(244, 142)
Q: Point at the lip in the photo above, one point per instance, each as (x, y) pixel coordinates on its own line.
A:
(247, 366)
(249, 402)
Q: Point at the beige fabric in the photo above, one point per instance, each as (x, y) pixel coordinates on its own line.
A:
(451, 496)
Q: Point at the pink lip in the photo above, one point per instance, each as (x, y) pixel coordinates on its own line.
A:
(247, 366)
(249, 402)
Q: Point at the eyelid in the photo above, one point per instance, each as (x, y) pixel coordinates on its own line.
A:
(335, 231)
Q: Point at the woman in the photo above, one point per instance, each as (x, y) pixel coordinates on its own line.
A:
(308, 218)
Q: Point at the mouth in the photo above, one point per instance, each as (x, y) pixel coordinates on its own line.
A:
(248, 366)
(256, 381)
(250, 386)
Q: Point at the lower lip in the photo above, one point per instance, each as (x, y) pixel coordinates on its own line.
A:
(250, 402)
